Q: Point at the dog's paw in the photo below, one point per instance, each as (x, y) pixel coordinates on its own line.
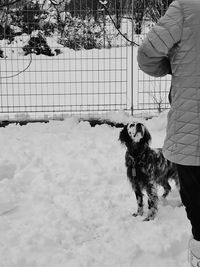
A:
(147, 219)
(138, 213)
(164, 195)
(150, 217)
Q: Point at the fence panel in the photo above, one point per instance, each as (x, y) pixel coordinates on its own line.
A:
(75, 57)
(149, 93)
(61, 57)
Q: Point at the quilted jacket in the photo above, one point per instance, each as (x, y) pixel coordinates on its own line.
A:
(173, 46)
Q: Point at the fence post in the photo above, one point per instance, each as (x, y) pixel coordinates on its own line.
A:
(132, 60)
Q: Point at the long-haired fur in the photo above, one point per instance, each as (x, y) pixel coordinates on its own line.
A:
(146, 167)
(125, 138)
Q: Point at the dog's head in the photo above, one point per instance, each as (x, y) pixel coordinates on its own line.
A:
(135, 133)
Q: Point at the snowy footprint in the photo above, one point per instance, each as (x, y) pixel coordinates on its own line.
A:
(8, 208)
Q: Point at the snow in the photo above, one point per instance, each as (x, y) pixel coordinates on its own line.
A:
(65, 200)
(75, 82)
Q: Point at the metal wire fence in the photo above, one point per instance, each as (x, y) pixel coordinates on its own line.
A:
(60, 58)
(152, 93)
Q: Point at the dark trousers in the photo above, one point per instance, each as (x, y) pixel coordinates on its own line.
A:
(189, 177)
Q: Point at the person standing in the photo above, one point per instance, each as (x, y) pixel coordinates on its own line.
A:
(172, 46)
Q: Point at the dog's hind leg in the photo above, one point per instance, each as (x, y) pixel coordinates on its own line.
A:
(152, 202)
(167, 189)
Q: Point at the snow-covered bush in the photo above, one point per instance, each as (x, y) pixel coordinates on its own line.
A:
(38, 45)
(31, 17)
(1, 53)
(81, 34)
(48, 28)
(6, 32)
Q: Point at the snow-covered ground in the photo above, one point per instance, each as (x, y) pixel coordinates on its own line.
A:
(65, 200)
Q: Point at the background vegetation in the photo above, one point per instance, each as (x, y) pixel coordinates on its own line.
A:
(77, 24)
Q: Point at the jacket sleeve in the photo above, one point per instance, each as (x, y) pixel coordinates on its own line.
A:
(153, 54)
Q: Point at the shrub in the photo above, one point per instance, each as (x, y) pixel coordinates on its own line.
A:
(1, 53)
(31, 17)
(38, 45)
(6, 33)
(81, 34)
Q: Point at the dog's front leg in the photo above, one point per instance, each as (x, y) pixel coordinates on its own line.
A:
(132, 176)
(139, 197)
(152, 201)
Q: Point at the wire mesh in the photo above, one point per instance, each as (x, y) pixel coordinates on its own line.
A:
(63, 57)
(152, 93)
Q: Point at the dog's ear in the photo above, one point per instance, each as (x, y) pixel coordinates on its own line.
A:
(124, 136)
(147, 136)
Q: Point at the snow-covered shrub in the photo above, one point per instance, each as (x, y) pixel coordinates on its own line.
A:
(31, 17)
(48, 28)
(1, 53)
(6, 32)
(38, 45)
(57, 51)
(81, 34)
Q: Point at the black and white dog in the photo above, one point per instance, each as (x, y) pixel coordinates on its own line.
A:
(146, 167)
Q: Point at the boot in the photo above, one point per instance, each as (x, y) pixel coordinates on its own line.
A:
(194, 253)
